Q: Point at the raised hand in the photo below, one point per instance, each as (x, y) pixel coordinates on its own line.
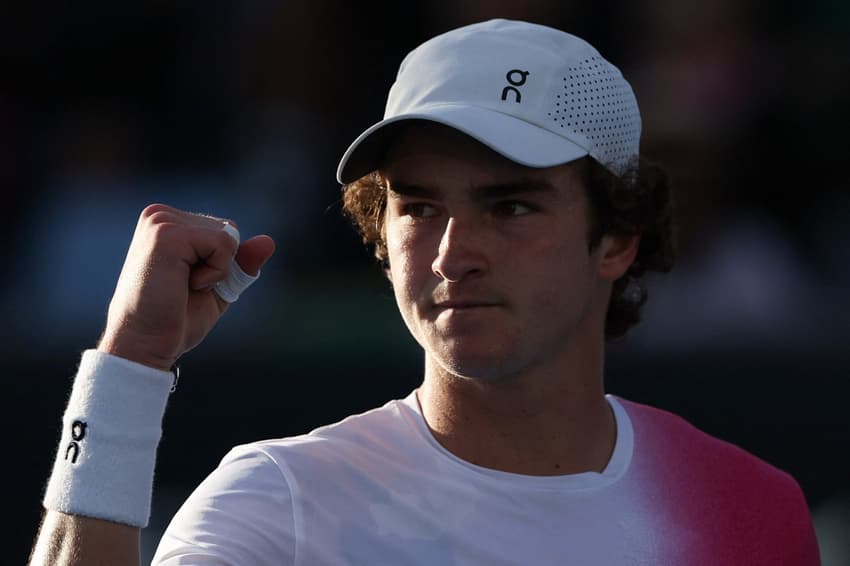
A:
(164, 304)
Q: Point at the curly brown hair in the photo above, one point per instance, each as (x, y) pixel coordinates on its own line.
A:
(636, 202)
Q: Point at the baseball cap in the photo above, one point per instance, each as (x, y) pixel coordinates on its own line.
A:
(535, 94)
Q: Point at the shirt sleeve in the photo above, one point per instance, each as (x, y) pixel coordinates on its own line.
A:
(240, 514)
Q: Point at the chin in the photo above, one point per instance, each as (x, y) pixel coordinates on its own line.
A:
(487, 367)
(481, 356)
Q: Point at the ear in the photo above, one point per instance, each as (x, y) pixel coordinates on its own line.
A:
(616, 255)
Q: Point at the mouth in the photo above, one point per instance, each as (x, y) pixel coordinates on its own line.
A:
(461, 305)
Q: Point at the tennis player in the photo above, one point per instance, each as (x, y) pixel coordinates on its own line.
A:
(506, 198)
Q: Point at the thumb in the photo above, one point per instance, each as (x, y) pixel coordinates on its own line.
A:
(254, 252)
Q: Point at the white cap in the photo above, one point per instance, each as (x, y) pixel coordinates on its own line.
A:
(537, 95)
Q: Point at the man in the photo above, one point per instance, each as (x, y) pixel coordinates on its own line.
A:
(505, 196)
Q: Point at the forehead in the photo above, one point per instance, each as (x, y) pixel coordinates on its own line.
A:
(422, 151)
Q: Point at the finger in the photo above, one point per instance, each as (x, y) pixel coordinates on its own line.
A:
(189, 218)
(254, 253)
(231, 231)
(250, 258)
(234, 284)
(216, 249)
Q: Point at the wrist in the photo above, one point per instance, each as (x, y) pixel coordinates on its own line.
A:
(133, 350)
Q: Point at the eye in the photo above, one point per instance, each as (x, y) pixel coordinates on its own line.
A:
(512, 208)
(419, 210)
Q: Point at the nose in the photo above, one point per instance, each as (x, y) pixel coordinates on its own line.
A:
(461, 253)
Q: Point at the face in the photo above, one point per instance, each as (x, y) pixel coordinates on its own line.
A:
(489, 260)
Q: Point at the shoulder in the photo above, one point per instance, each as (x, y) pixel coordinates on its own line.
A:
(658, 431)
(378, 428)
(257, 492)
(240, 514)
(354, 446)
(716, 487)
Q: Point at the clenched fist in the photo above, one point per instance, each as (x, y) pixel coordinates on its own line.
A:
(164, 304)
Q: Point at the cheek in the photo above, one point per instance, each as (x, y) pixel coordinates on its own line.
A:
(406, 254)
(566, 272)
(407, 281)
(398, 253)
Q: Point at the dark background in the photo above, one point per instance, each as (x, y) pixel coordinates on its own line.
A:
(243, 109)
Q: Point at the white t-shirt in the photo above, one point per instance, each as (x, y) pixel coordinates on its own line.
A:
(377, 488)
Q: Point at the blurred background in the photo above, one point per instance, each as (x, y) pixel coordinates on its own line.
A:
(243, 109)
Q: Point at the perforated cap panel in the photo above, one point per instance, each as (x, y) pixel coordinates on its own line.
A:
(596, 102)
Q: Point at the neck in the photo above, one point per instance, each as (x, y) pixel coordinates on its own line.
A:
(549, 421)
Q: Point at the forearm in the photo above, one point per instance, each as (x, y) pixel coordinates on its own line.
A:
(66, 540)
(181, 273)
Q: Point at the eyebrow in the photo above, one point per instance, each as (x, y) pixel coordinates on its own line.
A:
(481, 193)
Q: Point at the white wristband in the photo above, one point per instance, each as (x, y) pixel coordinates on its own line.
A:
(110, 431)
(237, 281)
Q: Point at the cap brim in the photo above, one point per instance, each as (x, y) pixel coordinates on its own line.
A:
(516, 139)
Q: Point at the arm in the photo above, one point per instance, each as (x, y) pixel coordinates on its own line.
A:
(73, 539)
(163, 306)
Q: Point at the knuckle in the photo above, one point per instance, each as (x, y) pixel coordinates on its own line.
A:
(162, 231)
(156, 209)
(160, 218)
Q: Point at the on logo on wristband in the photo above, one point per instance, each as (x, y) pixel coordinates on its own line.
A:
(78, 432)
